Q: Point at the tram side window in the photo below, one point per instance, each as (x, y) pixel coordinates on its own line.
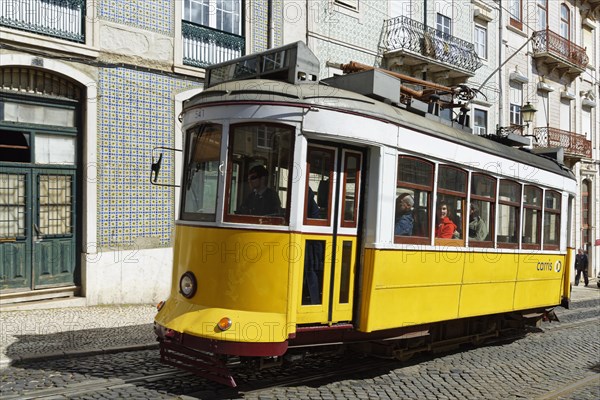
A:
(351, 189)
(481, 210)
(259, 173)
(532, 217)
(452, 193)
(551, 220)
(509, 204)
(201, 173)
(414, 188)
(319, 179)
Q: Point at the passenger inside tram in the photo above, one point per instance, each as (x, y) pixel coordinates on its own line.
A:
(446, 228)
(477, 227)
(262, 200)
(404, 215)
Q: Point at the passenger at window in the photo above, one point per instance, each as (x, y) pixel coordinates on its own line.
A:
(446, 229)
(404, 215)
(262, 200)
(477, 227)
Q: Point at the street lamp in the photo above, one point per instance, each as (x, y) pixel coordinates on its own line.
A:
(527, 113)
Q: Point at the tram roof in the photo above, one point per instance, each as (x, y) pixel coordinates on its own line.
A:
(325, 96)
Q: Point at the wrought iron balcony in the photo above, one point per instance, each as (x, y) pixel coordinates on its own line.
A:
(416, 45)
(574, 145)
(64, 19)
(204, 46)
(558, 53)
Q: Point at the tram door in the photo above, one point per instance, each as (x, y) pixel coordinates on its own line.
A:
(330, 239)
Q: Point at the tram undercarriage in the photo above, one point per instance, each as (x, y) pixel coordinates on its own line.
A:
(216, 360)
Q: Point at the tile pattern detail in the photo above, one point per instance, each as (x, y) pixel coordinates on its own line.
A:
(259, 18)
(136, 114)
(152, 15)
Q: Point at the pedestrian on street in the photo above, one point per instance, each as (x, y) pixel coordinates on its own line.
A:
(581, 264)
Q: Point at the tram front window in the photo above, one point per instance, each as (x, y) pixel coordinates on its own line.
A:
(260, 161)
(202, 172)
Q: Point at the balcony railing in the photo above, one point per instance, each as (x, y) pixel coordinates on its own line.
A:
(557, 46)
(204, 46)
(402, 33)
(64, 19)
(572, 143)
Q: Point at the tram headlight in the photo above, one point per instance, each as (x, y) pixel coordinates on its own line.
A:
(187, 285)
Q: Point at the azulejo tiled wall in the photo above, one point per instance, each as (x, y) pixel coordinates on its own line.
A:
(351, 36)
(136, 114)
(152, 15)
(259, 18)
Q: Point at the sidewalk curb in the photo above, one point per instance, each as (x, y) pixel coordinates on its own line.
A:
(8, 362)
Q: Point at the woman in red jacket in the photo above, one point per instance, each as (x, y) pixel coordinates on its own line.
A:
(446, 228)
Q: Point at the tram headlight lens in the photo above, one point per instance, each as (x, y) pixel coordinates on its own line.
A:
(187, 285)
(224, 323)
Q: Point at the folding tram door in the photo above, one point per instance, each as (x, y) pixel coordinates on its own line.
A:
(333, 208)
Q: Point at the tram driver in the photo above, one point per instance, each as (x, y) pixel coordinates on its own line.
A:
(262, 200)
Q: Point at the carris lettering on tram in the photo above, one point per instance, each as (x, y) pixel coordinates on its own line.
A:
(544, 266)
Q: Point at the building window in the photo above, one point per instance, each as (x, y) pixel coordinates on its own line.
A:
(515, 9)
(542, 11)
(480, 125)
(515, 114)
(585, 214)
(516, 99)
(481, 41)
(565, 22)
(223, 15)
(444, 24)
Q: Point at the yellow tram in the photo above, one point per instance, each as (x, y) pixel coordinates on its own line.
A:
(289, 233)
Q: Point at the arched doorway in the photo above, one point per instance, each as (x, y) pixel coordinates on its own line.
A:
(40, 144)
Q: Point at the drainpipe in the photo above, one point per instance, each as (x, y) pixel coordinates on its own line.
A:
(270, 25)
(500, 53)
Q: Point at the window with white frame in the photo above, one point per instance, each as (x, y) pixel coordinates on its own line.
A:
(223, 15)
(480, 41)
(480, 118)
(565, 22)
(514, 8)
(516, 99)
(515, 114)
(443, 24)
(542, 11)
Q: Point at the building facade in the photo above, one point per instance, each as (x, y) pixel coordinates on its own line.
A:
(90, 89)
(87, 90)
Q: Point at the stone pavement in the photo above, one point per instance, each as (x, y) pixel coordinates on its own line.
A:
(54, 333)
(58, 332)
